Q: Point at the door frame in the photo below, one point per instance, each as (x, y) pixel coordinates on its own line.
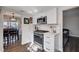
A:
(63, 21)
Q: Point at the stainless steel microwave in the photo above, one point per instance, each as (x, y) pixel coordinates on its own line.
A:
(42, 20)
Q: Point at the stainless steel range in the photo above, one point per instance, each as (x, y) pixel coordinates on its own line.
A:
(39, 37)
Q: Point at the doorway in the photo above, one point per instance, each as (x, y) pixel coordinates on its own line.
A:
(71, 30)
(11, 33)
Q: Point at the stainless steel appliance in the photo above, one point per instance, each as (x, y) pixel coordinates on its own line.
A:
(42, 20)
(39, 38)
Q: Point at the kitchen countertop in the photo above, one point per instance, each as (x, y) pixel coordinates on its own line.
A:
(45, 32)
(40, 31)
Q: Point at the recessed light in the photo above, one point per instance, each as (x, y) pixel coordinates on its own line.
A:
(35, 10)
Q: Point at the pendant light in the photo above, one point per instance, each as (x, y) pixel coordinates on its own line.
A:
(13, 18)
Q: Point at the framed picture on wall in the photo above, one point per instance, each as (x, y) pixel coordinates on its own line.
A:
(26, 20)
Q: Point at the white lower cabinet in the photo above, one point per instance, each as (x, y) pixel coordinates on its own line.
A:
(48, 42)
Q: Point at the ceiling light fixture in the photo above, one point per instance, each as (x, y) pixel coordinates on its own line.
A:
(35, 10)
(13, 19)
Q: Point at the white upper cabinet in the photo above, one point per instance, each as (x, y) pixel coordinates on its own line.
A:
(49, 42)
(51, 16)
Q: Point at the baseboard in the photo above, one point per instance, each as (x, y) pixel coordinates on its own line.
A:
(73, 37)
(57, 50)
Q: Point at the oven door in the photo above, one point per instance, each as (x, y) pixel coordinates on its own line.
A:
(38, 39)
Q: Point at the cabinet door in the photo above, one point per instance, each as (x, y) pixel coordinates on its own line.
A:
(52, 16)
(49, 42)
(49, 46)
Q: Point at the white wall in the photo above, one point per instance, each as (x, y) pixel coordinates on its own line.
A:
(1, 32)
(27, 32)
(71, 21)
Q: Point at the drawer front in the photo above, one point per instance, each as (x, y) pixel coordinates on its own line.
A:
(48, 39)
(47, 42)
(49, 48)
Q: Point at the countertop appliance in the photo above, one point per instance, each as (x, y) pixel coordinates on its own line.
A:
(42, 20)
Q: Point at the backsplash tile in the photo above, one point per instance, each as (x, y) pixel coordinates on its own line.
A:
(46, 27)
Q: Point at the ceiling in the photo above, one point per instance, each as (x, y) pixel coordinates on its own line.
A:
(30, 10)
